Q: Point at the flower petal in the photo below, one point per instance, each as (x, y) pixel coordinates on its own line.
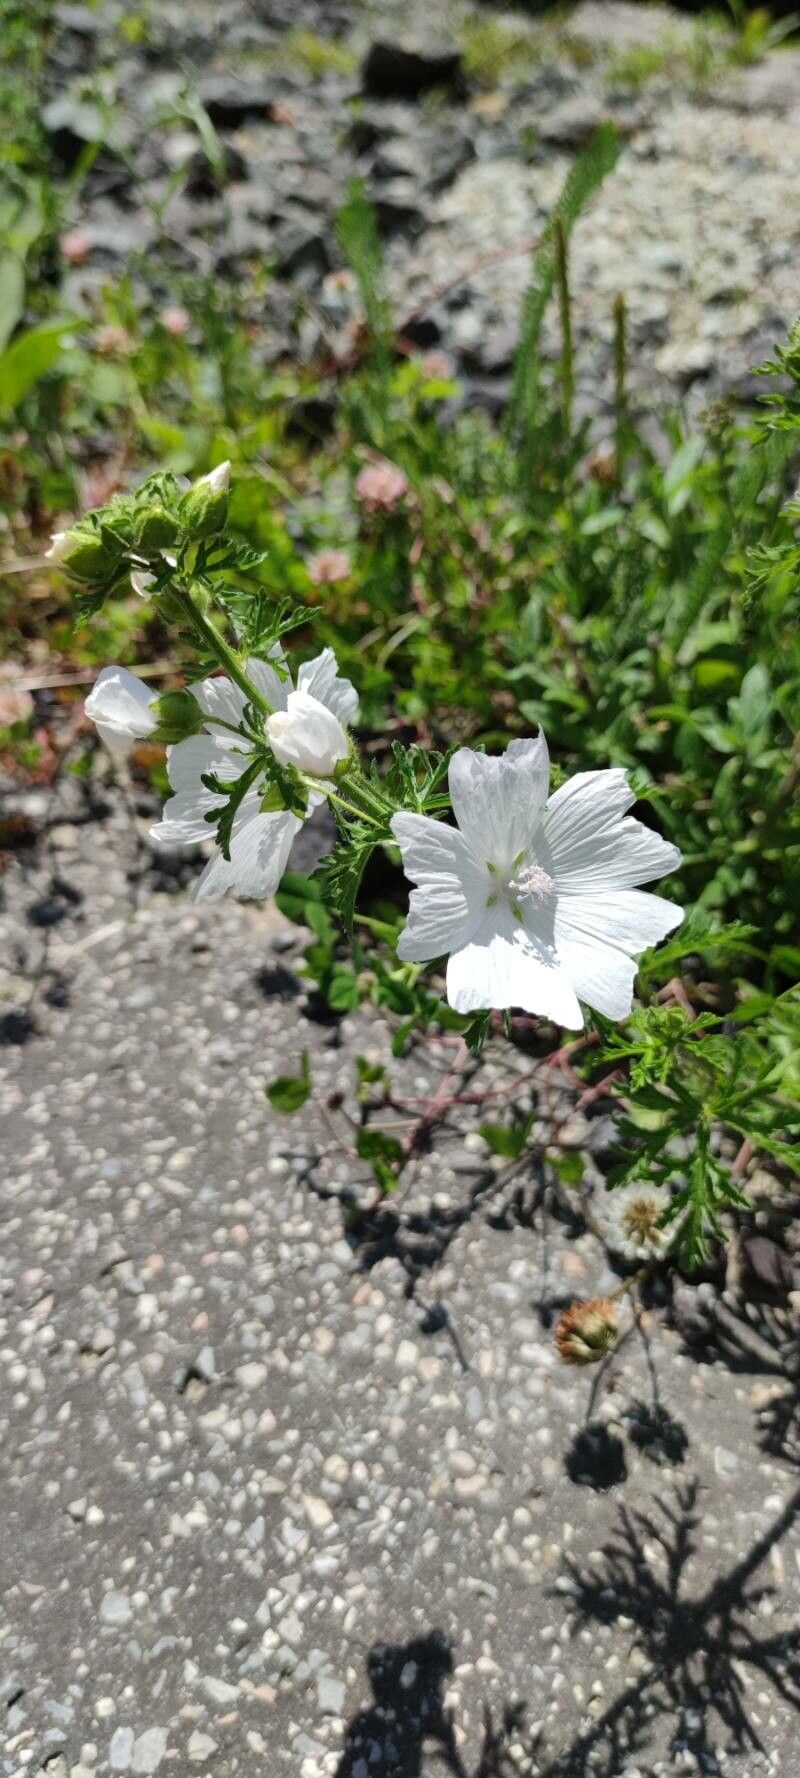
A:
(321, 678)
(192, 760)
(120, 706)
(183, 820)
(498, 802)
(452, 888)
(601, 975)
(307, 735)
(259, 855)
(629, 919)
(273, 685)
(588, 843)
(502, 966)
(596, 935)
(219, 699)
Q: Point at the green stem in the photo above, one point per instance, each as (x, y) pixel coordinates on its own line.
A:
(620, 384)
(565, 309)
(217, 646)
(333, 796)
(371, 800)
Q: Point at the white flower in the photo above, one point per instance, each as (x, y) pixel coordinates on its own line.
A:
(631, 1216)
(142, 580)
(260, 842)
(534, 899)
(60, 546)
(121, 708)
(307, 735)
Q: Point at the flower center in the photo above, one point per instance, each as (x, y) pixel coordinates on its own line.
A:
(641, 1222)
(532, 882)
(529, 883)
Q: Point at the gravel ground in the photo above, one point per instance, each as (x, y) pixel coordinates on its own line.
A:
(282, 1499)
(698, 226)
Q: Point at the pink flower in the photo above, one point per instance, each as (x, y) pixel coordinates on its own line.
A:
(381, 486)
(112, 341)
(76, 245)
(328, 566)
(176, 321)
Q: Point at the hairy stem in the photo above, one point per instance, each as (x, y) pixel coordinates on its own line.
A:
(217, 646)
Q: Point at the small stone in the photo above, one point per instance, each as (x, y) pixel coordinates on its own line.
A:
(219, 1691)
(201, 1746)
(149, 1749)
(115, 1608)
(252, 1374)
(406, 1356)
(318, 1511)
(120, 1752)
(330, 1695)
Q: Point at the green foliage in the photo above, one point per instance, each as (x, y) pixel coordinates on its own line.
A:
(508, 1140)
(583, 180)
(687, 1078)
(641, 605)
(289, 1092)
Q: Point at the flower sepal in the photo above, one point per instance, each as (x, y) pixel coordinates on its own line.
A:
(286, 791)
(178, 716)
(88, 553)
(204, 508)
(155, 529)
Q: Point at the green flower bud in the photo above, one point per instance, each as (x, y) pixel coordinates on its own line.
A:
(204, 509)
(85, 554)
(177, 715)
(155, 529)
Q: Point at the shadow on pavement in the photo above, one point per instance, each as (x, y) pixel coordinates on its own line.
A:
(692, 1659)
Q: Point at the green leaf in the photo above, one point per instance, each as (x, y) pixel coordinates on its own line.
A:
(289, 1092)
(582, 181)
(236, 790)
(344, 994)
(12, 295)
(570, 1167)
(506, 1139)
(28, 358)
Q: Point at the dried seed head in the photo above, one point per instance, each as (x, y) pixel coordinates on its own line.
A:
(587, 1331)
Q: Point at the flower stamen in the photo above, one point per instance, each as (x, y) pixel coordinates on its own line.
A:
(533, 882)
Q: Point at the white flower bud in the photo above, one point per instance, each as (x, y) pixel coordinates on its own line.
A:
(121, 708)
(308, 736)
(60, 546)
(218, 480)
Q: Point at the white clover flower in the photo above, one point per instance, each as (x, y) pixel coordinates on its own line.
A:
(534, 899)
(308, 735)
(260, 842)
(121, 708)
(631, 1217)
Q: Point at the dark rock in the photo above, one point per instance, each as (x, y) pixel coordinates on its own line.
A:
(203, 180)
(768, 1270)
(572, 124)
(397, 206)
(422, 331)
(230, 102)
(391, 69)
(70, 125)
(300, 247)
